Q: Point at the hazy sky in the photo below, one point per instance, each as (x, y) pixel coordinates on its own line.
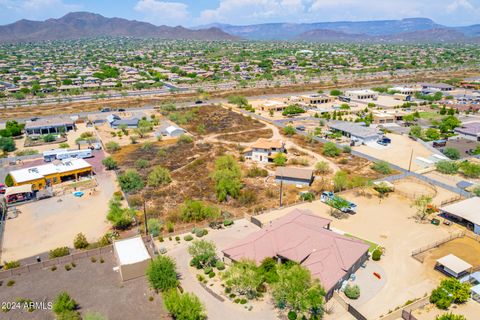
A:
(198, 12)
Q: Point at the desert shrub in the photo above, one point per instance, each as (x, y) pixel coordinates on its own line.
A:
(207, 270)
(331, 150)
(11, 264)
(292, 315)
(220, 265)
(382, 167)
(447, 167)
(289, 130)
(227, 222)
(112, 146)
(10, 283)
(268, 270)
(159, 176)
(256, 172)
(203, 254)
(450, 316)
(307, 196)
(177, 238)
(154, 226)
(69, 315)
(80, 241)
(227, 176)
(247, 197)
(97, 316)
(347, 149)
(120, 218)
(352, 292)
(377, 254)
(470, 169)
(59, 252)
(280, 159)
(68, 267)
(322, 167)
(141, 164)
(184, 306)
(162, 273)
(211, 274)
(109, 163)
(188, 237)
(452, 153)
(63, 303)
(184, 138)
(195, 210)
(131, 181)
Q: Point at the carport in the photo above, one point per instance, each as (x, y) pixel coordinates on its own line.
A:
(453, 266)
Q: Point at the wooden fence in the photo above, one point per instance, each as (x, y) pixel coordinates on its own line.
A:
(435, 244)
(347, 306)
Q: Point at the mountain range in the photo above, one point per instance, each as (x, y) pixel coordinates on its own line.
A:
(79, 25)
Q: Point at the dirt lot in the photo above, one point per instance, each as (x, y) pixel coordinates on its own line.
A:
(398, 152)
(249, 136)
(465, 248)
(470, 309)
(95, 287)
(389, 223)
(51, 223)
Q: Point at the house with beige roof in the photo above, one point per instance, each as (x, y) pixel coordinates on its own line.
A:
(263, 150)
(305, 238)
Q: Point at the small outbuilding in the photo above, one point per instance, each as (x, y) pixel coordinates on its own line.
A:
(453, 266)
(298, 176)
(132, 256)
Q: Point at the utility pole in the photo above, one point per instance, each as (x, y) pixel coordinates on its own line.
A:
(281, 189)
(145, 215)
(410, 164)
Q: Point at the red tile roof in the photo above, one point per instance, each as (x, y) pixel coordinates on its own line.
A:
(302, 237)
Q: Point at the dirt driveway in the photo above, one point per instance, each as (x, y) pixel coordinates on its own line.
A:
(50, 223)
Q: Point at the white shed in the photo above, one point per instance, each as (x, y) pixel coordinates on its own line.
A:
(132, 256)
(453, 265)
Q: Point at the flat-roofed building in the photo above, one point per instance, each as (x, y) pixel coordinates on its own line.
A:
(290, 175)
(469, 131)
(316, 99)
(46, 175)
(437, 86)
(357, 132)
(132, 256)
(383, 117)
(47, 126)
(273, 105)
(362, 94)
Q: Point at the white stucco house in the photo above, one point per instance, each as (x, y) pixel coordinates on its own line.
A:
(263, 150)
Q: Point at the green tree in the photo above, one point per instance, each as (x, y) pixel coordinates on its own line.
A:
(449, 123)
(450, 291)
(470, 169)
(336, 92)
(416, 131)
(183, 306)
(297, 291)
(340, 180)
(422, 205)
(109, 163)
(227, 176)
(63, 303)
(244, 278)
(331, 150)
(154, 226)
(280, 159)
(9, 180)
(80, 241)
(120, 218)
(131, 181)
(432, 134)
(196, 210)
(7, 144)
(162, 273)
(203, 253)
(159, 176)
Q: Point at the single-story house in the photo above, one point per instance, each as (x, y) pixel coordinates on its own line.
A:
(469, 131)
(305, 238)
(467, 210)
(403, 90)
(263, 150)
(45, 175)
(132, 257)
(273, 105)
(116, 122)
(453, 266)
(437, 86)
(362, 94)
(46, 126)
(289, 175)
(357, 132)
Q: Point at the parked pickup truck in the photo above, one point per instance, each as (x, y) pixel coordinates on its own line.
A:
(338, 202)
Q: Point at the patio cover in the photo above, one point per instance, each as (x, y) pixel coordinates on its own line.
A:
(465, 209)
(20, 189)
(454, 263)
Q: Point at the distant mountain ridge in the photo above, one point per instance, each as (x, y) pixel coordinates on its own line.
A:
(79, 25)
(405, 30)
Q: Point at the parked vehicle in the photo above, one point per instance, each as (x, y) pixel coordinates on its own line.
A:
(105, 110)
(384, 141)
(301, 128)
(439, 143)
(61, 154)
(332, 200)
(2, 188)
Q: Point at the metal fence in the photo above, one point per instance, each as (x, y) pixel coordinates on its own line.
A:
(435, 244)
